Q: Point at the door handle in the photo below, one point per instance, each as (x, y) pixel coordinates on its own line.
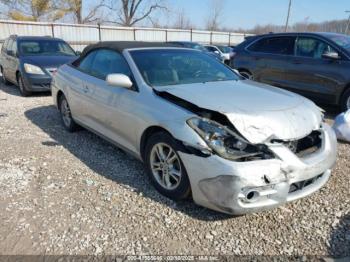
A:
(85, 89)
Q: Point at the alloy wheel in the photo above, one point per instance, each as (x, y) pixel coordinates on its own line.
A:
(66, 114)
(165, 165)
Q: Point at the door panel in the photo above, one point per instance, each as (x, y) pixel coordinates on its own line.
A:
(7, 61)
(108, 108)
(76, 92)
(313, 76)
(13, 63)
(105, 110)
(271, 69)
(270, 56)
(317, 79)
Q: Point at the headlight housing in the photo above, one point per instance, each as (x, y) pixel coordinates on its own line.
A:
(33, 69)
(226, 143)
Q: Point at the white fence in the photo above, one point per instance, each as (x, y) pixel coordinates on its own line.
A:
(81, 35)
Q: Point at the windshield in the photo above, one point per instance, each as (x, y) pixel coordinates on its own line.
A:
(175, 67)
(225, 49)
(45, 47)
(341, 40)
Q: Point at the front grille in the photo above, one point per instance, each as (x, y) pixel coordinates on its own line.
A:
(302, 184)
(305, 146)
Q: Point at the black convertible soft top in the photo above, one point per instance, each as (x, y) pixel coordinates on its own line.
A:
(122, 45)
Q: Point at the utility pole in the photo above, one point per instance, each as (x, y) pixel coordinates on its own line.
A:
(347, 25)
(287, 21)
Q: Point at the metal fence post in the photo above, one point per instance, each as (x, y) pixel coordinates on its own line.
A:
(53, 30)
(99, 31)
(166, 35)
(134, 34)
(211, 37)
(191, 32)
(229, 38)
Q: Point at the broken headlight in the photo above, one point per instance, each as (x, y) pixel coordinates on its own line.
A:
(226, 143)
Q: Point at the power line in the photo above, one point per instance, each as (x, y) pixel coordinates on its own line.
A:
(287, 21)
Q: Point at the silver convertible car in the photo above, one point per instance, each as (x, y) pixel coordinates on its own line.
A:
(234, 145)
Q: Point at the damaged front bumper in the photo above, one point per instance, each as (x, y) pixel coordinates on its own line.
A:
(252, 186)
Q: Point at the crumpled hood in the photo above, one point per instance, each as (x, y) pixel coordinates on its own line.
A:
(258, 111)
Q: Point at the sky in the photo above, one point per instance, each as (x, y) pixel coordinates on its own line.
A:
(248, 13)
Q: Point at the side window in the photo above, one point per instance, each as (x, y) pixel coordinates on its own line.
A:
(14, 47)
(311, 47)
(211, 49)
(86, 63)
(65, 48)
(9, 44)
(274, 45)
(108, 62)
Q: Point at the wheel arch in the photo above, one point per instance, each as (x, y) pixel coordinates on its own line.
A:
(340, 100)
(244, 70)
(346, 88)
(58, 97)
(17, 74)
(147, 133)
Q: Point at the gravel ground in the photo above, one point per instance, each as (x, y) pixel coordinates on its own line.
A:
(63, 193)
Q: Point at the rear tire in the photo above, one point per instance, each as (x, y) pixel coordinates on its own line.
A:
(22, 88)
(165, 168)
(3, 77)
(345, 101)
(66, 116)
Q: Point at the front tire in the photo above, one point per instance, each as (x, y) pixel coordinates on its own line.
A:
(165, 168)
(66, 115)
(22, 88)
(345, 101)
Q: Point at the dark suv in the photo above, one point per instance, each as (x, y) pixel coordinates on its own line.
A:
(316, 65)
(29, 61)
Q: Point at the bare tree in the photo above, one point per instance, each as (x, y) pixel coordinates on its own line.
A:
(75, 7)
(31, 10)
(215, 14)
(182, 21)
(336, 26)
(131, 12)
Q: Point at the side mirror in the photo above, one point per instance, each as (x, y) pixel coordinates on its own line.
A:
(216, 52)
(119, 80)
(331, 55)
(78, 53)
